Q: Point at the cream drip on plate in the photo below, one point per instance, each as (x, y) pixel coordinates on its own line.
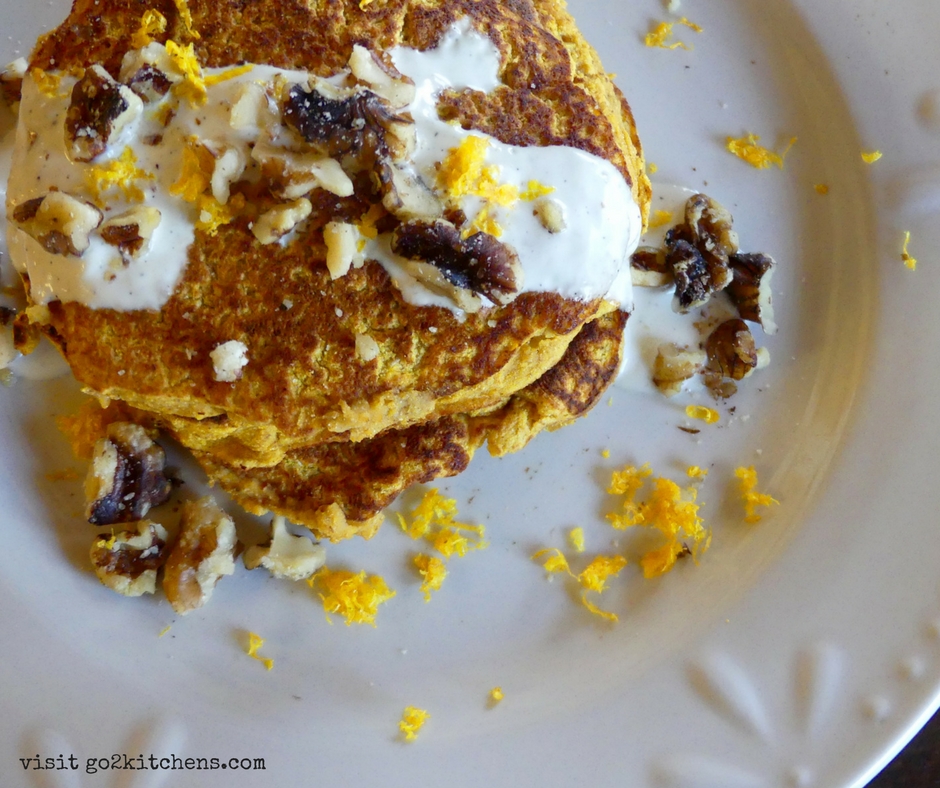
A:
(601, 221)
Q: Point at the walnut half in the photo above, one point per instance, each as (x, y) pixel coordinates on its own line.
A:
(203, 553)
(127, 562)
(697, 251)
(100, 108)
(58, 222)
(480, 263)
(731, 351)
(125, 479)
(750, 289)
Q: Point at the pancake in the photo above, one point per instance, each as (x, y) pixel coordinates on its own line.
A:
(294, 430)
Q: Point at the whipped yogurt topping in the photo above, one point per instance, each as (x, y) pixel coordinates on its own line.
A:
(601, 220)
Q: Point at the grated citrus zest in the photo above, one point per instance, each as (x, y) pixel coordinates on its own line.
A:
(224, 76)
(121, 173)
(152, 23)
(412, 720)
(747, 149)
(906, 258)
(821, 188)
(708, 415)
(668, 508)
(213, 215)
(186, 17)
(752, 499)
(660, 219)
(254, 644)
(870, 157)
(193, 86)
(576, 536)
(195, 172)
(433, 570)
(694, 472)
(356, 597)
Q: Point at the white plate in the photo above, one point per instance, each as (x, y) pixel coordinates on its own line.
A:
(802, 651)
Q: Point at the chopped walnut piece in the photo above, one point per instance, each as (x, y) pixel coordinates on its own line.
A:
(731, 350)
(404, 195)
(694, 285)
(697, 252)
(150, 83)
(126, 478)
(229, 166)
(648, 268)
(750, 289)
(131, 231)
(100, 108)
(551, 214)
(367, 349)
(127, 562)
(291, 175)
(344, 123)
(711, 226)
(274, 224)
(674, 365)
(252, 108)
(480, 263)
(203, 553)
(60, 223)
(286, 556)
(228, 360)
(342, 247)
(11, 81)
(384, 79)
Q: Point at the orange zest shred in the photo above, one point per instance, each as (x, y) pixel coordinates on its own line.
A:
(870, 157)
(356, 597)
(186, 17)
(254, 645)
(708, 415)
(906, 258)
(193, 86)
(660, 219)
(554, 563)
(496, 695)
(412, 720)
(661, 35)
(195, 172)
(747, 148)
(464, 173)
(594, 577)
(163, 631)
(121, 173)
(152, 23)
(694, 472)
(230, 73)
(433, 571)
(821, 188)
(752, 499)
(213, 215)
(576, 537)
(668, 508)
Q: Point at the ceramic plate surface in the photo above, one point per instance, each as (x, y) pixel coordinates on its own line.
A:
(800, 651)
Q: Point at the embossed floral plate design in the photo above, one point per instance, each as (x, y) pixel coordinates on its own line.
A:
(800, 651)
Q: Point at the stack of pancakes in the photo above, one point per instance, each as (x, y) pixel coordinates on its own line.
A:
(311, 430)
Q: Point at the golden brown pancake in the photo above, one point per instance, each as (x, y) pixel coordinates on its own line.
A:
(296, 431)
